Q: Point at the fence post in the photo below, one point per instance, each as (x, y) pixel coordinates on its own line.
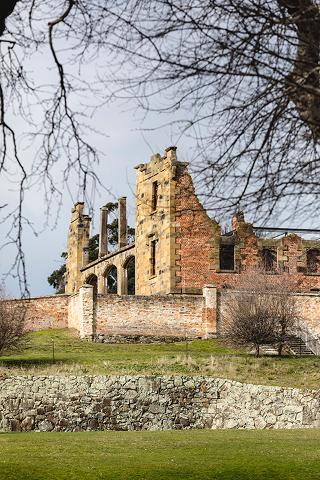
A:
(86, 307)
(210, 311)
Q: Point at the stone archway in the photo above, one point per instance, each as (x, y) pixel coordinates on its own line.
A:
(93, 280)
(129, 276)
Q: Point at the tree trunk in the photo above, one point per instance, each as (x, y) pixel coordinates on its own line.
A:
(303, 84)
(6, 8)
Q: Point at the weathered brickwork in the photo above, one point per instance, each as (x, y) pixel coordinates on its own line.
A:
(309, 309)
(197, 238)
(46, 312)
(150, 315)
(179, 252)
(178, 248)
(150, 403)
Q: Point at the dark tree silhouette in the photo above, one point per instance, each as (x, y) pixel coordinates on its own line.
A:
(241, 77)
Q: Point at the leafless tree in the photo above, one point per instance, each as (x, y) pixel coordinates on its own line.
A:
(12, 324)
(242, 77)
(260, 310)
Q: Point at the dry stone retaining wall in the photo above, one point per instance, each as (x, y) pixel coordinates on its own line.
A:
(81, 403)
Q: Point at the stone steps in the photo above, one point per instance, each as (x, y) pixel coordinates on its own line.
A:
(298, 346)
(294, 343)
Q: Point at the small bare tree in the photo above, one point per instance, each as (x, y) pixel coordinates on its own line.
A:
(260, 310)
(285, 314)
(12, 324)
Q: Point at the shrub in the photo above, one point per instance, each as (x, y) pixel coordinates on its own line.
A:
(12, 324)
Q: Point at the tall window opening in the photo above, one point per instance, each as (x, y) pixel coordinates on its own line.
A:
(154, 201)
(93, 280)
(111, 280)
(269, 259)
(130, 276)
(226, 257)
(153, 259)
(313, 260)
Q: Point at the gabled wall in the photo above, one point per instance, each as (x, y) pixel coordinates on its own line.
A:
(156, 225)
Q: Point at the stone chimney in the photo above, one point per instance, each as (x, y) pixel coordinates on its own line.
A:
(237, 218)
(170, 154)
(122, 222)
(77, 248)
(103, 235)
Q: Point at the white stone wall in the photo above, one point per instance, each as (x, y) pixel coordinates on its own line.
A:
(72, 403)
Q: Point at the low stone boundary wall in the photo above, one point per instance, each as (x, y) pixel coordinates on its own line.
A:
(149, 316)
(81, 403)
(155, 316)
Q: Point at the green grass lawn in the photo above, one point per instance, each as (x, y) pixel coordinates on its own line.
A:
(199, 357)
(193, 454)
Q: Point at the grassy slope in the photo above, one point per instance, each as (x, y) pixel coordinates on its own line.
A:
(223, 455)
(204, 357)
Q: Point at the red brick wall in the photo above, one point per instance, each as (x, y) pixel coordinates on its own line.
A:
(309, 309)
(195, 237)
(155, 316)
(46, 312)
(198, 243)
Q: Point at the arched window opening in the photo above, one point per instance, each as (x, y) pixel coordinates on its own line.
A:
(313, 260)
(93, 280)
(111, 280)
(129, 269)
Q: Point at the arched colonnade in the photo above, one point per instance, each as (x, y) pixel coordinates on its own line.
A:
(113, 275)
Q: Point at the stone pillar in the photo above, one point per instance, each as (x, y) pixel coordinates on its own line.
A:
(210, 311)
(78, 241)
(85, 256)
(103, 236)
(237, 219)
(122, 222)
(121, 280)
(170, 154)
(86, 308)
(101, 285)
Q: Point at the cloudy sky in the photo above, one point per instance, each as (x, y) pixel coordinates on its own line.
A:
(129, 140)
(125, 145)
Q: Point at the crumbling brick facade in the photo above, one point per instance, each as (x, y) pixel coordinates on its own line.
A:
(178, 248)
(184, 264)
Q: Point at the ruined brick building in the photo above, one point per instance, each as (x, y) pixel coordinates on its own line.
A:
(181, 262)
(178, 248)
